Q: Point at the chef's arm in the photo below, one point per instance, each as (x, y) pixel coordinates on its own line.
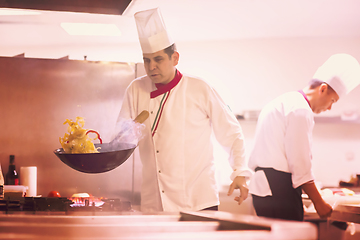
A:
(323, 209)
(239, 183)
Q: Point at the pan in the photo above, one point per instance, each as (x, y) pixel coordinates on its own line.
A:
(105, 160)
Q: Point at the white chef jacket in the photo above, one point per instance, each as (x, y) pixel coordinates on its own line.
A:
(176, 151)
(283, 141)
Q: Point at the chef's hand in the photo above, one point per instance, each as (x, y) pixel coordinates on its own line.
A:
(323, 209)
(239, 183)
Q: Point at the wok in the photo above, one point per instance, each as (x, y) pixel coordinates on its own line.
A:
(103, 161)
(106, 159)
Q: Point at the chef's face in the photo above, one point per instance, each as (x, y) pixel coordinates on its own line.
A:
(160, 67)
(326, 98)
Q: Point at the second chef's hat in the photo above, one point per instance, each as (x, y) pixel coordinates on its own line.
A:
(341, 72)
(152, 32)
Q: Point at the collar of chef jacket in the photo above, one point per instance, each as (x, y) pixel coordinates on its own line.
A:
(163, 88)
(304, 95)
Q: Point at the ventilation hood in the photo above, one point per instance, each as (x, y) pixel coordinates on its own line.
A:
(115, 7)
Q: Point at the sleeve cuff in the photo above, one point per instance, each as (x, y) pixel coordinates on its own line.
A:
(241, 172)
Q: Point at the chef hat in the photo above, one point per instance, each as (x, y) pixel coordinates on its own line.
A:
(152, 31)
(341, 72)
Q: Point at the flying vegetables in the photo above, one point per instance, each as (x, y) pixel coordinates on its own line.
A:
(77, 139)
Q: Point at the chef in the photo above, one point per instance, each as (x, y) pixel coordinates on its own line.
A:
(176, 151)
(281, 155)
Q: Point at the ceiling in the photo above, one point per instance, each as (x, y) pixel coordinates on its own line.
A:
(194, 20)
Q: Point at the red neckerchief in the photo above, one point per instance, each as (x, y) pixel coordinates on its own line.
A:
(304, 95)
(163, 88)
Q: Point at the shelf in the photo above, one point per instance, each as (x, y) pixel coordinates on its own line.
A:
(335, 119)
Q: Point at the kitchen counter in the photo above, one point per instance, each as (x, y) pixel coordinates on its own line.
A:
(347, 213)
(342, 225)
(136, 225)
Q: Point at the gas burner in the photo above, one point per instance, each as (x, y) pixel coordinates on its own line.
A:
(62, 204)
(86, 202)
(10, 205)
(35, 204)
(106, 205)
(115, 205)
(46, 204)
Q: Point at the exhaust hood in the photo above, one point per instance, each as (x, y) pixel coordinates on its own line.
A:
(114, 7)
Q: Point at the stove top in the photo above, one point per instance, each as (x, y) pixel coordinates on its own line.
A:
(62, 204)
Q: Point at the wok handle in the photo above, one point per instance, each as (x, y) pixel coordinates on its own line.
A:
(142, 117)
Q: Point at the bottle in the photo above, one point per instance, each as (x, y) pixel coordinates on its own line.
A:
(12, 178)
(1, 184)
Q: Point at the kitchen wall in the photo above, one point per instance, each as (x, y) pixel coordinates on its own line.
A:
(248, 73)
(38, 95)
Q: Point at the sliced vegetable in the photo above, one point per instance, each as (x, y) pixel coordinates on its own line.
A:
(77, 140)
(98, 135)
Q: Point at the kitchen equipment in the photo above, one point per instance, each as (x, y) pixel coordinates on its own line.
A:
(142, 117)
(103, 161)
(106, 159)
(63, 205)
(209, 225)
(346, 213)
(14, 191)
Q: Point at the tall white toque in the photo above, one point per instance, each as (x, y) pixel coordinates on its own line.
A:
(341, 72)
(152, 32)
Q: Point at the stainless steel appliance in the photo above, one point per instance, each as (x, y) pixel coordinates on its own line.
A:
(61, 218)
(40, 94)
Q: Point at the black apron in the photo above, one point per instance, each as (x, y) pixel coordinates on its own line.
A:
(285, 202)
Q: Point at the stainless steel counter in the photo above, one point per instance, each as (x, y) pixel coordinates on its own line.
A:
(343, 223)
(347, 213)
(136, 225)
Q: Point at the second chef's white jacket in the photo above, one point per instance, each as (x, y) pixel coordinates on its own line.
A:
(283, 141)
(176, 150)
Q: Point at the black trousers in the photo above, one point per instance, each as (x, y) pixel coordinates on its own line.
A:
(285, 202)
